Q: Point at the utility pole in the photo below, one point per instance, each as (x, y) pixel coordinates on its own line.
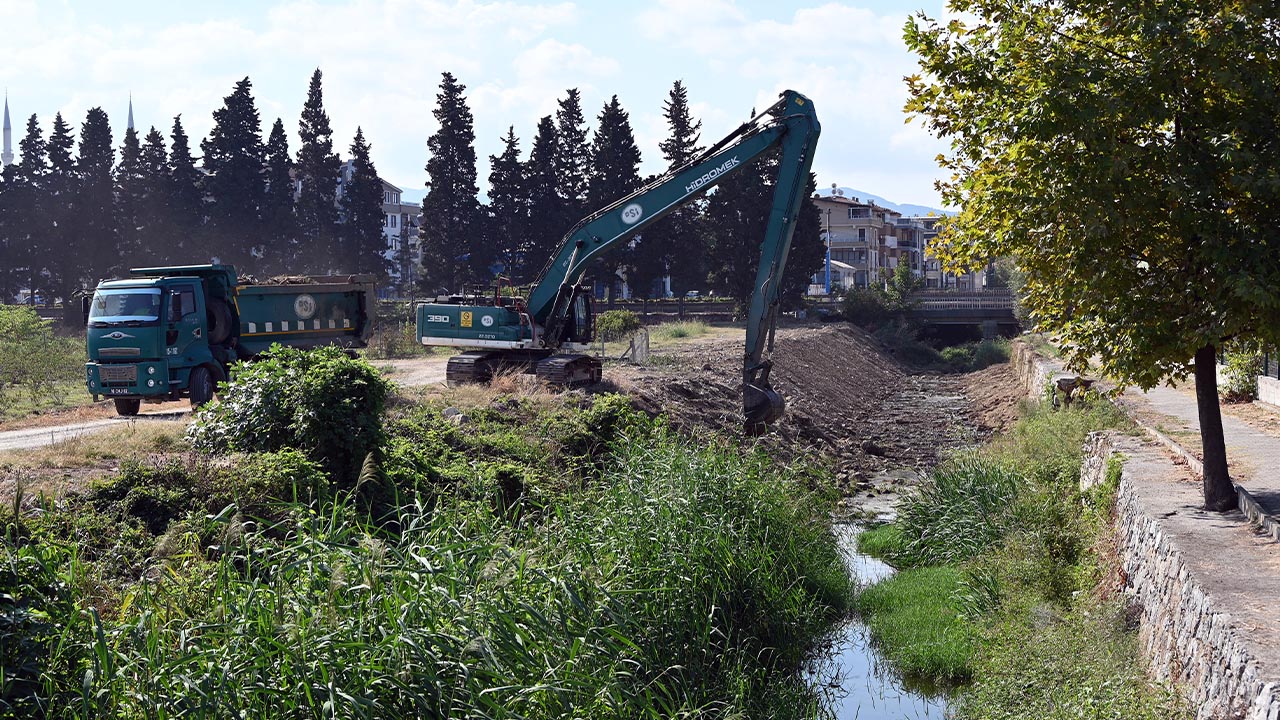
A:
(828, 283)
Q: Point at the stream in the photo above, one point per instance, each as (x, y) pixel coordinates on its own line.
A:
(855, 682)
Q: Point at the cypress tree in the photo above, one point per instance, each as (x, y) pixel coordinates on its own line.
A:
(96, 250)
(62, 228)
(156, 226)
(280, 252)
(675, 245)
(184, 199)
(233, 161)
(737, 213)
(508, 211)
(548, 217)
(364, 244)
(318, 173)
(26, 199)
(573, 155)
(129, 198)
(614, 174)
(450, 210)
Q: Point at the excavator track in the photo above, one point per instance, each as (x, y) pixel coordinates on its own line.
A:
(570, 370)
(470, 367)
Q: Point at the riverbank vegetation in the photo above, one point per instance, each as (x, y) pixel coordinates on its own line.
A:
(313, 556)
(1014, 567)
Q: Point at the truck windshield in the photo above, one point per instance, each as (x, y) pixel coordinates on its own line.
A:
(125, 305)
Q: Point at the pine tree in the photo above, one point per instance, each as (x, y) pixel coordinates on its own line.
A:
(507, 217)
(233, 161)
(95, 251)
(129, 198)
(62, 228)
(450, 210)
(737, 213)
(318, 172)
(281, 243)
(156, 227)
(25, 201)
(548, 218)
(615, 163)
(364, 244)
(185, 199)
(675, 245)
(573, 154)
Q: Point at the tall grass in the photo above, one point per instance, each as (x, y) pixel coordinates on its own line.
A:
(913, 615)
(678, 330)
(690, 582)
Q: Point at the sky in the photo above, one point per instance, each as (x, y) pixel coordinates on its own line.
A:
(382, 62)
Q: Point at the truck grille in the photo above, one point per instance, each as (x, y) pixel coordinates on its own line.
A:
(118, 373)
(119, 352)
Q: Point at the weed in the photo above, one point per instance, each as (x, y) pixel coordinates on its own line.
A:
(913, 618)
(667, 332)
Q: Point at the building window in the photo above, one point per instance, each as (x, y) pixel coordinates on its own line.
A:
(386, 197)
(862, 234)
(393, 220)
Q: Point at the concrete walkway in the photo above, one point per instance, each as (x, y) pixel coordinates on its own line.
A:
(1253, 456)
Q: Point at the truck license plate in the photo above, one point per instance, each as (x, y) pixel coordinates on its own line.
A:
(119, 391)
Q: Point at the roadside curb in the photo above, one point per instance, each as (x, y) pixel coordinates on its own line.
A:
(1245, 502)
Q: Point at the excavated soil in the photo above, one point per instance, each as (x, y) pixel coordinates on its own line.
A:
(848, 400)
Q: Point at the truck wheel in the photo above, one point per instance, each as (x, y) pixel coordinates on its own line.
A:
(126, 407)
(219, 317)
(201, 387)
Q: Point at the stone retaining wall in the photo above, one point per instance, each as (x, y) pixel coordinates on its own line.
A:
(1186, 639)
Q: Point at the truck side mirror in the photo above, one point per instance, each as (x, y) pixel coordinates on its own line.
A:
(86, 301)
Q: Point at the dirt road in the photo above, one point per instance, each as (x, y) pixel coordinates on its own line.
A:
(48, 435)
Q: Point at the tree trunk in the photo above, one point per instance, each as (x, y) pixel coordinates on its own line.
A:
(1219, 493)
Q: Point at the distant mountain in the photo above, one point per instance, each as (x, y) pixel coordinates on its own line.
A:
(904, 208)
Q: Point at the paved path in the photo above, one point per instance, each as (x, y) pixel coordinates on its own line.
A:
(39, 437)
(1253, 456)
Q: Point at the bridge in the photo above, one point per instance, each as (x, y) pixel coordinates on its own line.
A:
(991, 309)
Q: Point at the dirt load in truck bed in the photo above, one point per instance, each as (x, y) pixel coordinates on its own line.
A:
(847, 398)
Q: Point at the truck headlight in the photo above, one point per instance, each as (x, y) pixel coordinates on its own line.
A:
(151, 370)
(151, 383)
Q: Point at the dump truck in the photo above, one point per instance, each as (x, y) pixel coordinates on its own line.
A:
(166, 333)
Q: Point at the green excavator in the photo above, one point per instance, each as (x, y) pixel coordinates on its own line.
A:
(550, 332)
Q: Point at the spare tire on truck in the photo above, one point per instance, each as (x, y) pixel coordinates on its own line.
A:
(220, 321)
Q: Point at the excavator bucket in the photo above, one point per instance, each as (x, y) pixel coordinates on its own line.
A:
(762, 406)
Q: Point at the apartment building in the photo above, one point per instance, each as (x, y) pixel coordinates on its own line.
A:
(872, 241)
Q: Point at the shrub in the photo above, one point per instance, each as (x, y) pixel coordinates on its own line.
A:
(320, 401)
(1241, 376)
(865, 307)
(614, 325)
(32, 357)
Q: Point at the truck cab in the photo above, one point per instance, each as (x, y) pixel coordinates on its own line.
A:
(158, 338)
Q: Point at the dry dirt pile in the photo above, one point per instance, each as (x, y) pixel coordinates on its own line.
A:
(846, 398)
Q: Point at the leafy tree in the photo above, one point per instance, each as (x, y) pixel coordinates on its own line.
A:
(675, 245)
(280, 224)
(548, 216)
(185, 197)
(450, 210)
(129, 198)
(507, 215)
(573, 155)
(94, 251)
(1125, 155)
(318, 172)
(364, 244)
(234, 159)
(614, 172)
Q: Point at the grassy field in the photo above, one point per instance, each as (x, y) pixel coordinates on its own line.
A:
(520, 556)
(1003, 581)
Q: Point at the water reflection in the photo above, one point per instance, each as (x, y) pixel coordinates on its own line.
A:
(853, 679)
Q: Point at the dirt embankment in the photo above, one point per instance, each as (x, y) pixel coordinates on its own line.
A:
(846, 399)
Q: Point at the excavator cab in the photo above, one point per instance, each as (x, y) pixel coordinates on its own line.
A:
(581, 327)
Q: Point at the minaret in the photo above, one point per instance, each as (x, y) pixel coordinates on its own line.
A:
(6, 157)
(130, 111)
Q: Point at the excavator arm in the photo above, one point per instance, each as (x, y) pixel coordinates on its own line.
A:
(790, 124)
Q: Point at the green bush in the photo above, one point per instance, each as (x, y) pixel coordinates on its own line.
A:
(1241, 375)
(33, 358)
(865, 307)
(319, 401)
(614, 325)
